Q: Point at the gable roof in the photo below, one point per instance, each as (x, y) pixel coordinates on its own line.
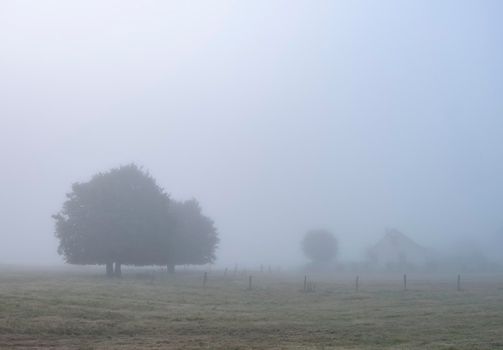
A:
(396, 246)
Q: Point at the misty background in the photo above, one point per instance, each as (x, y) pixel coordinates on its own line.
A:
(278, 116)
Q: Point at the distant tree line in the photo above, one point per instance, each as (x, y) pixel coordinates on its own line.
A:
(123, 217)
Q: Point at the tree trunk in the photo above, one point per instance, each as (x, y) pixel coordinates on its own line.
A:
(118, 271)
(110, 269)
(171, 268)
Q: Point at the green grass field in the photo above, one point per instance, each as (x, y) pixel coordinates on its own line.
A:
(80, 309)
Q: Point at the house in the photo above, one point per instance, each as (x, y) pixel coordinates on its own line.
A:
(397, 251)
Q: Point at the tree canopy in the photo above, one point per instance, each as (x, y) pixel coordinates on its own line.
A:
(122, 216)
(320, 246)
(194, 233)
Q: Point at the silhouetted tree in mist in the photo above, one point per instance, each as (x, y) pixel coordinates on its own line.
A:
(123, 217)
(194, 236)
(117, 217)
(320, 246)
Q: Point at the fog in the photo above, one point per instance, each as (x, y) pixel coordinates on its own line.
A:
(278, 116)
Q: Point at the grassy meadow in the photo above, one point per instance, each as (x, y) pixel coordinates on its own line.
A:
(81, 309)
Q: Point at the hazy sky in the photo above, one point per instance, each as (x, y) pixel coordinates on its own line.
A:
(279, 116)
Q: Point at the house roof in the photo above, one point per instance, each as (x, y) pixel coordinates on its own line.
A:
(396, 243)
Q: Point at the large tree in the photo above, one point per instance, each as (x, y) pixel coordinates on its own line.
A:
(320, 246)
(117, 217)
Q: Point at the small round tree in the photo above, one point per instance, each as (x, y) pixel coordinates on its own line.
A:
(320, 246)
(194, 235)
